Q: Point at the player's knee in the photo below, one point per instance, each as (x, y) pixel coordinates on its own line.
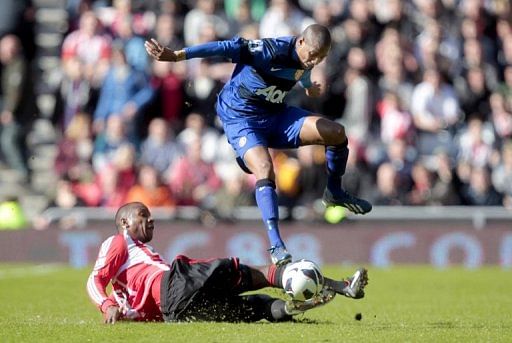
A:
(336, 134)
(264, 170)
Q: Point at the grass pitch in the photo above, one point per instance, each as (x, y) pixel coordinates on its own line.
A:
(415, 304)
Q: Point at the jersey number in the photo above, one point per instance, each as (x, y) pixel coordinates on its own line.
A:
(272, 94)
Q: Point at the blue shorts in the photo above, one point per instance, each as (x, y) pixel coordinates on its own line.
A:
(279, 130)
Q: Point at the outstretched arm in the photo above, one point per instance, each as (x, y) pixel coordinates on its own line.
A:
(228, 48)
(161, 53)
(251, 52)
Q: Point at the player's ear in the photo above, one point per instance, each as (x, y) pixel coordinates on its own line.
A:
(124, 223)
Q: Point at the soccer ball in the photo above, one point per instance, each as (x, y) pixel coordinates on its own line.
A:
(302, 280)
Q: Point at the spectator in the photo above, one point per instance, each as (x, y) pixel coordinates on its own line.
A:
(166, 31)
(502, 174)
(195, 126)
(240, 16)
(474, 58)
(395, 122)
(312, 168)
(282, 18)
(149, 190)
(501, 116)
(392, 57)
(244, 11)
(74, 95)
(287, 169)
(133, 45)
(16, 110)
(122, 10)
(421, 192)
(108, 142)
(435, 109)
(235, 192)
(480, 191)
(444, 190)
(474, 93)
(160, 150)
(192, 180)
(475, 142)
(505, 88)
(167, 81)
(401, 156)
(118, 177)
(74, 151)
(17, 17)
(387, 192)
(90, 46)
(202, 90)
(204, 11)
(356, 115)
(124, 93)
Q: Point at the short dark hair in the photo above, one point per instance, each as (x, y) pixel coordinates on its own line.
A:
(317, 35)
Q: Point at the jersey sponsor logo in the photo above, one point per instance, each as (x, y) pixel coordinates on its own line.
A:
(272, 94)
(242, 141)
(255, 45)
(275, 69)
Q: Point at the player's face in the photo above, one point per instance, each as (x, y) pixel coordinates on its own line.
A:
(310, 56)
(142, 224)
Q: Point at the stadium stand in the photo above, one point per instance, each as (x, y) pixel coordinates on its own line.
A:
(423, 87)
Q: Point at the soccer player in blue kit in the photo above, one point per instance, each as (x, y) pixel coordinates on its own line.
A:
(255, 117)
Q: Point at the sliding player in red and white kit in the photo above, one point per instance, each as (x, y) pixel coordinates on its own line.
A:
(145, 288)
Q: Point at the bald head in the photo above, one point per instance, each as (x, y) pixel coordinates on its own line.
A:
(135, 218)
(313, 45)
(317, 36)
(126, 213)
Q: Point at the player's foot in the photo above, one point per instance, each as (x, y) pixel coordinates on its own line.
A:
(354, 204)
(294, 307)
(352, 287)
(279, 255)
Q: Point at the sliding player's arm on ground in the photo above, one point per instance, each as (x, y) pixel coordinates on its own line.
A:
(113, 254)
(251, 52)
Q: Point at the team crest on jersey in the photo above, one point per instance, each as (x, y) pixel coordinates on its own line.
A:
(255, 45)
(242, 141)
(298, 74)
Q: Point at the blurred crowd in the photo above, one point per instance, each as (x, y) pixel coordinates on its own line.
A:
(423, 87)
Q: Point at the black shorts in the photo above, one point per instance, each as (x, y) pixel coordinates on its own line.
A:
(209, 290)
(189, 280)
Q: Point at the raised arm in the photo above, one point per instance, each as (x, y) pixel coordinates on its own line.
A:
(237, 49)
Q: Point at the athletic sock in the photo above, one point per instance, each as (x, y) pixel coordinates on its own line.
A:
(266, 198)
(275, 275)
(278, 311)
(336, 157)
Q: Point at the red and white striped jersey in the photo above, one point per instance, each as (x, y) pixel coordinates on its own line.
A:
(135, 271)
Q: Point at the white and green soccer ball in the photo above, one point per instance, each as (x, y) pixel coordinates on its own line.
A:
(302, 280)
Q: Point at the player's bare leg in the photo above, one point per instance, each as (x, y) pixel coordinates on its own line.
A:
(319, 130)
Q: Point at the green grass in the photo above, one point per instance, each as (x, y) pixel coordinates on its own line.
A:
(414, 304)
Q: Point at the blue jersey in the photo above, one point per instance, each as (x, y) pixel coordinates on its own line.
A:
(266, 70)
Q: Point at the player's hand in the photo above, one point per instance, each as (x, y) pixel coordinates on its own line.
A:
(112, 314)
(161, 53)
(315, 90)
